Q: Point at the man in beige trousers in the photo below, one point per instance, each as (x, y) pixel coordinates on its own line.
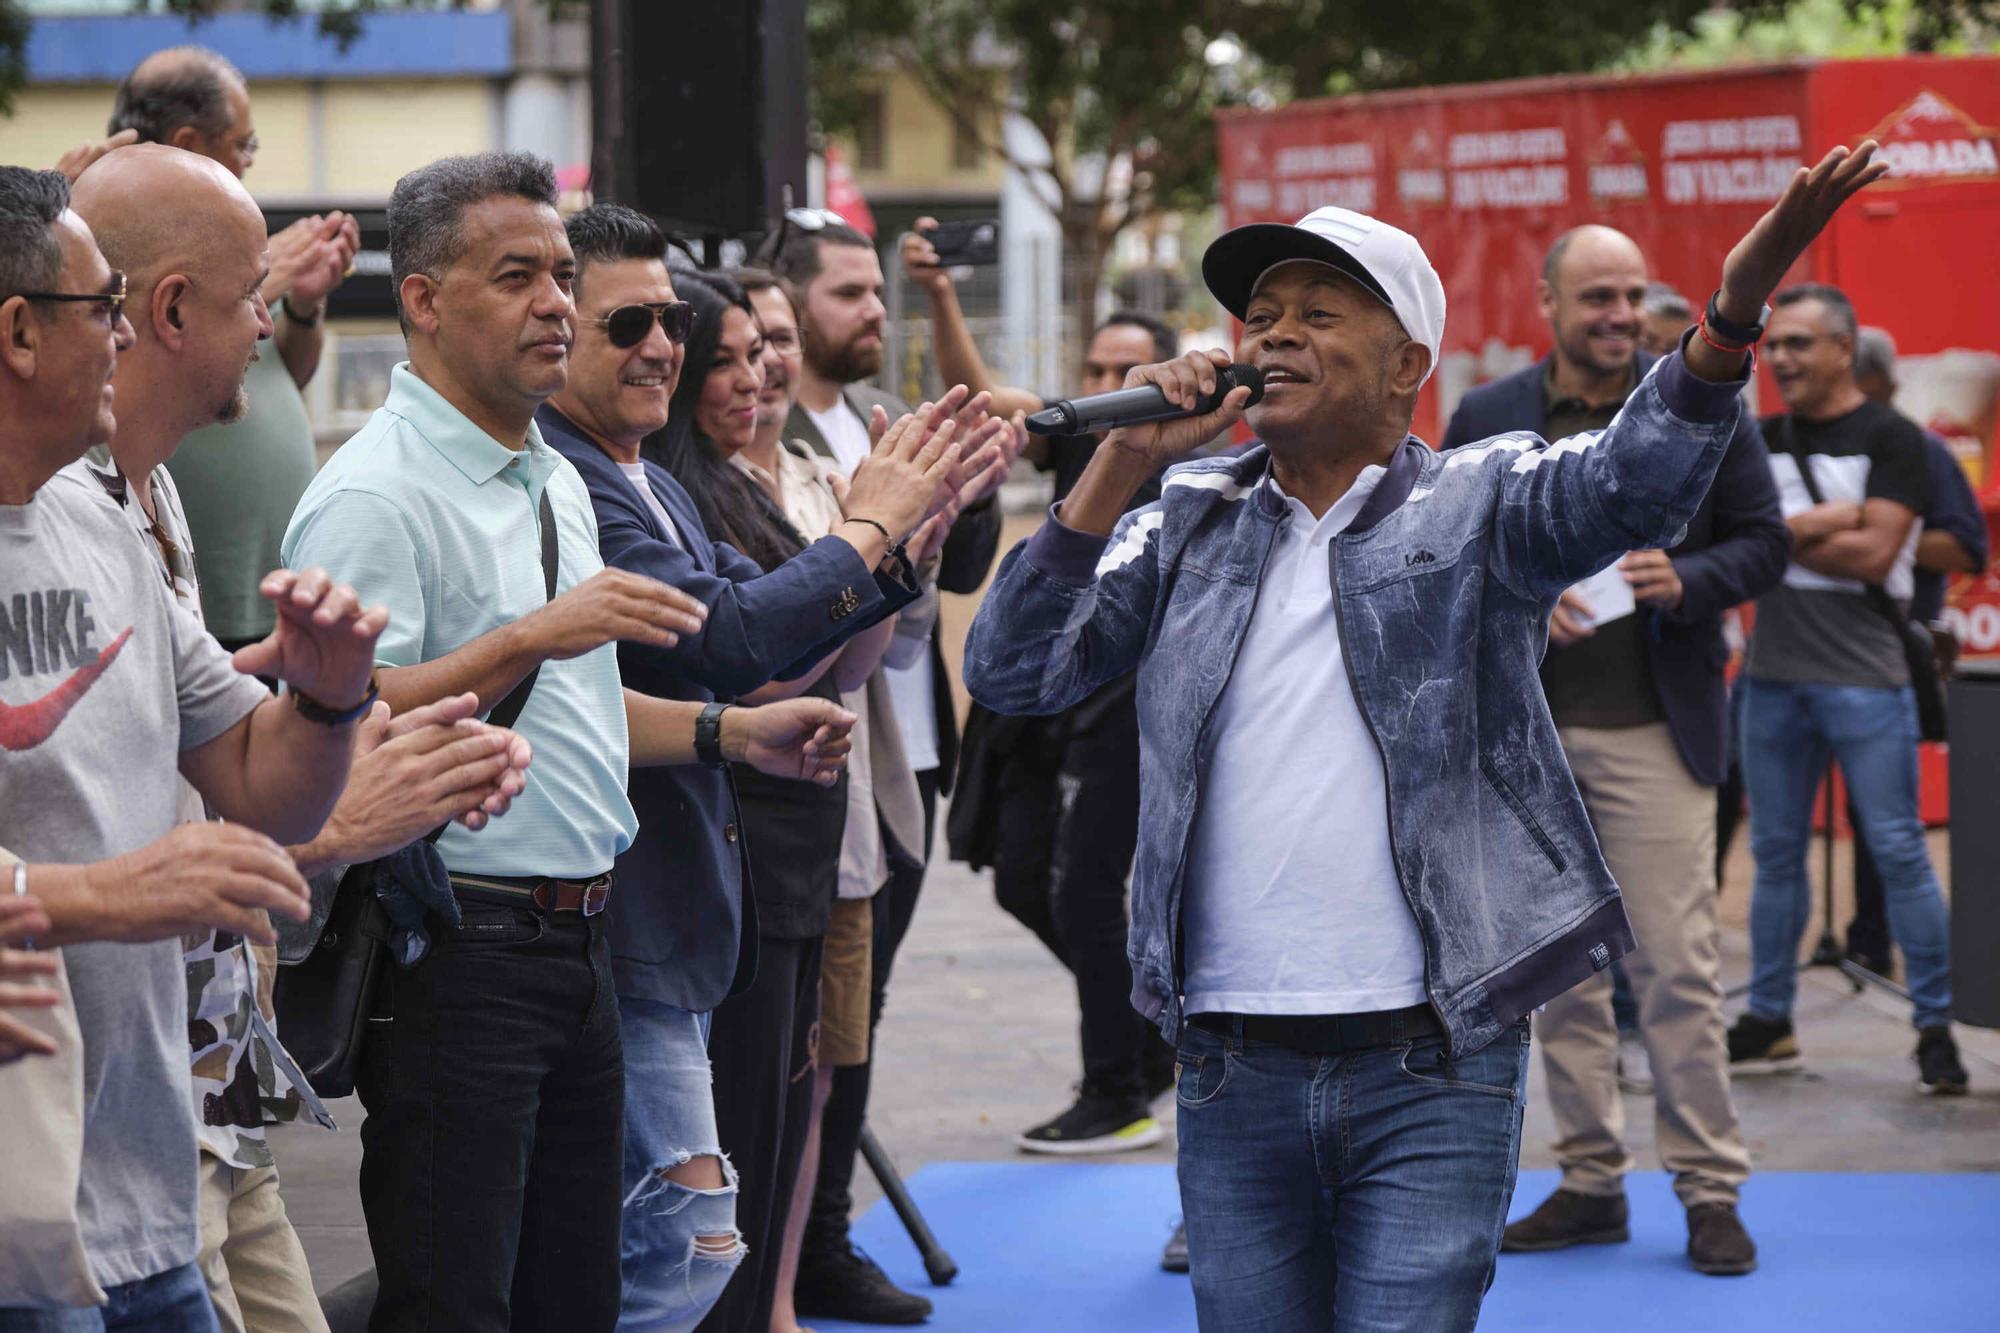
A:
(1634, 679)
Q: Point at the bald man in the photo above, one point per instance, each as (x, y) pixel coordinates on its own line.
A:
(1634, 680)
(241, 480)
(192, 246)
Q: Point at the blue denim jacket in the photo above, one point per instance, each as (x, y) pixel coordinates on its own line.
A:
(1443, 587)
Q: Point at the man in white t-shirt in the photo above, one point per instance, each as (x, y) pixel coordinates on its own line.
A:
(836, 279)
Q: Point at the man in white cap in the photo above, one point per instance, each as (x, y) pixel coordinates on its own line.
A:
(1380, 865)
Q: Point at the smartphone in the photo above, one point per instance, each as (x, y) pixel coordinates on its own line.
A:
(967, 243)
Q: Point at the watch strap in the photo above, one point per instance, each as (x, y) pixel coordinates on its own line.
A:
(312, 710)
(708, 734)
(1736, 337)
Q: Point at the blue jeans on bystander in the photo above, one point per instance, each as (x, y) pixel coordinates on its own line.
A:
(1788, 732)
(1365, 1190)
(175, 1301)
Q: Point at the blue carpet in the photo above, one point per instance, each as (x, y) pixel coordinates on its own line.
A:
(1074, 1248)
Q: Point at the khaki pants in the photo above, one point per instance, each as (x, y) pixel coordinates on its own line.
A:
(250, 1256)
(1657, 827)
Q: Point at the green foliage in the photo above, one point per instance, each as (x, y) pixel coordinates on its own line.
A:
(1824, 29)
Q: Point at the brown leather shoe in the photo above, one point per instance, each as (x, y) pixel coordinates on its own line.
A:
(1717, 1243)
(1568, 1218)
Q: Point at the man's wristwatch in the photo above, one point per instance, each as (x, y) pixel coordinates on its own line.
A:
(312, 710)
(293, 315)
(1724, 336)
(708, 734)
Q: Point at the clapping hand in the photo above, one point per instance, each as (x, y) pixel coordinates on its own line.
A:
(324, 643)
(23, 977)
(411, 773)
(78, 159)
(807, 738)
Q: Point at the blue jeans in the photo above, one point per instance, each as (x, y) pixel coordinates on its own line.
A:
(669, 1282)
(1788, 732)
(1359, 1191)
(175, 1301)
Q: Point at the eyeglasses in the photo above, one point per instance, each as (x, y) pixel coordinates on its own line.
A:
(112, 299)
(628, 325)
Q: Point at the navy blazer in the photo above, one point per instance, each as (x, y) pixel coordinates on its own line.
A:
(682, 929)
(1736, 547)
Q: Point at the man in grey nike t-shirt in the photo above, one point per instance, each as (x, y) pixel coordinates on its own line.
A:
(107, 688)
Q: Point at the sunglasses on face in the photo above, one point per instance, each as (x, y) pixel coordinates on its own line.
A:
(110, 301)
(628, 325)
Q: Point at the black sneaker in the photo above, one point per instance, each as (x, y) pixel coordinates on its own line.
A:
(1568, 1218)
(1175, 1257)
(1763, 1046)
(1094, 1125)
(1939, 1073)
(1717, 1243)
(846, 1284)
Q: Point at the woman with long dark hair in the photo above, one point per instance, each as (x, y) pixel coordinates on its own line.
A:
(763, 1038)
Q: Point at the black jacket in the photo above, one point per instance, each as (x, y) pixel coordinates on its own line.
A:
(1736, 547)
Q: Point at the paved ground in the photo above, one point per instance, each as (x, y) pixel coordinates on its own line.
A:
(979, 1042)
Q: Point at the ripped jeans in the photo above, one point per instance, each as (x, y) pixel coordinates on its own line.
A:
(672, 1269)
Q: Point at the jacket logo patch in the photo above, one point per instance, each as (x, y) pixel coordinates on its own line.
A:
(1600, 957)
(1419, 558)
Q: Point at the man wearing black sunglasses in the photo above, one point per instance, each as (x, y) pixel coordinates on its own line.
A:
(623, 369)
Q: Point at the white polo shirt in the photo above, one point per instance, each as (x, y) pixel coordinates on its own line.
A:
(1292, 905)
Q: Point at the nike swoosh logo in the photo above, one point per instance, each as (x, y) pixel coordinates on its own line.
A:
(24, 726)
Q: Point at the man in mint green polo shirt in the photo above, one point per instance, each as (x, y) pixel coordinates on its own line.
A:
(491, 1168)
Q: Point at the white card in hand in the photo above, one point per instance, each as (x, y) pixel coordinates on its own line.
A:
(1609, 595)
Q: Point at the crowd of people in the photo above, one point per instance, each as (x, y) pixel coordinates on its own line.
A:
(605, 659)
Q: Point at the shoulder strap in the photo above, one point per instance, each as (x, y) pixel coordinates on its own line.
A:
(1877, 596)
(1802, 461)
(508, 710)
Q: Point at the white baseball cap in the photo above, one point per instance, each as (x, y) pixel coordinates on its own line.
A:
(1385, 260)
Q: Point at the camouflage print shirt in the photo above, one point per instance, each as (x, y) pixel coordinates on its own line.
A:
(243, 1079)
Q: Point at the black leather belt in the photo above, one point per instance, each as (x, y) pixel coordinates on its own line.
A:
(587, 896)
(1327, 1034)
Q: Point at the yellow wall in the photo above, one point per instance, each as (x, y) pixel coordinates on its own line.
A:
(375, 132)
(48, 122)
(282, 113)
(917, 143)
(372, 132)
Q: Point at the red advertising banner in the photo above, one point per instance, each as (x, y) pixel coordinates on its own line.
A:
(1487, 175)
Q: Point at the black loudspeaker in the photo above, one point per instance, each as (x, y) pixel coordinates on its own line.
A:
(698, 111)
(1975, 850)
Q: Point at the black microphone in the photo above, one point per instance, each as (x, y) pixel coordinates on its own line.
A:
(1132, 407)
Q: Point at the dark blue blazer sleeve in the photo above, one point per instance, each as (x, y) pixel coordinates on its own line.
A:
(760, 626)
(1749, 544)
(1459, 430)
(1953, 507)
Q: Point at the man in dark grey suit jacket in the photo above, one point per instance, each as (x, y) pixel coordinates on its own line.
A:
(836, 282)
(1635, 685)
